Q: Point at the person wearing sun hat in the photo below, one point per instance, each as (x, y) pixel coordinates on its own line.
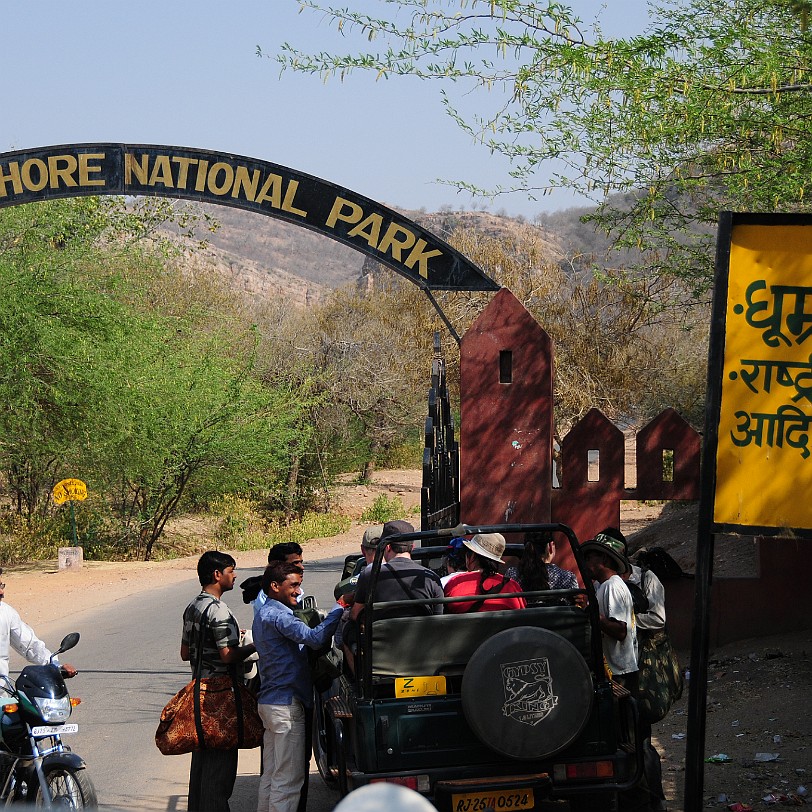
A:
(647, 625)
(483, 554)
(605, 560)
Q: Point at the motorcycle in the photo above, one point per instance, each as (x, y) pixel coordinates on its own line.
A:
(35, 766)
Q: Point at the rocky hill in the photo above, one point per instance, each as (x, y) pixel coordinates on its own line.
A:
(265, 257)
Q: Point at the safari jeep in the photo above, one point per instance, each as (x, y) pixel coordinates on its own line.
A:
(502, 710)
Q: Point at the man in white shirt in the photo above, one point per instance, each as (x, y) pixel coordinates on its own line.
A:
(20, 636)
(649, 625)
(605, 561)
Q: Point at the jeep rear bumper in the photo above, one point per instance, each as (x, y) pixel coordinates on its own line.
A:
(452, 788)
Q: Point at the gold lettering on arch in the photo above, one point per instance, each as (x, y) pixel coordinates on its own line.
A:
(369, 228)
(132, 168)
(42, 171)
(161, 172)
(274, 190)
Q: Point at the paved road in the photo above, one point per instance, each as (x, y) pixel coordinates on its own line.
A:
(129, 668)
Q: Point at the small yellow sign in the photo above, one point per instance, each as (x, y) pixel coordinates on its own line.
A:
(70, 490)
(419, 686)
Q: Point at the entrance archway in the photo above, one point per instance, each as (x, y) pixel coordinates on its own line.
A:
(77, 170)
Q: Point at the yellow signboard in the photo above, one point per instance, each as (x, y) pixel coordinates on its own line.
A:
(419, 686)
(70, 490)
(763, 459)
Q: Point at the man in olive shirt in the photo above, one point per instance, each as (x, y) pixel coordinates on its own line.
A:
(213, 772)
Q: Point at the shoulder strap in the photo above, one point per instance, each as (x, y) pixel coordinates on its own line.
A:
(643, 572)
(400, 583)
(201, 634)
(492, 590)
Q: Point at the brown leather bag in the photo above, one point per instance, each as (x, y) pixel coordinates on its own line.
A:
(209, 713)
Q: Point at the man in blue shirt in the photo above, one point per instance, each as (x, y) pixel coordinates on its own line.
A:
(286, 685)
(287, 551)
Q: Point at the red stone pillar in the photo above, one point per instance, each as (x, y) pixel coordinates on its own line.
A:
(506, 421)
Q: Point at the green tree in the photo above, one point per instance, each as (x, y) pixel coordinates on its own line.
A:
(61, 342)
(195, 417)
(118, 368)
(614, 348)
(373, 366)
(708, 109)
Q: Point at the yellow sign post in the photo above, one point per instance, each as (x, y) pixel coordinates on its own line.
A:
(70, 490)
(756, 460)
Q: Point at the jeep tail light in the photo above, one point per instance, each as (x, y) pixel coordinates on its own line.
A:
(419, 783)
(583, 770)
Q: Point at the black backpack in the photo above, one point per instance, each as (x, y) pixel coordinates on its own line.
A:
(251, 587)
(660, 563)
(639, 599)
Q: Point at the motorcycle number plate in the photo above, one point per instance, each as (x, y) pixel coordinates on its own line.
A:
(54, 730)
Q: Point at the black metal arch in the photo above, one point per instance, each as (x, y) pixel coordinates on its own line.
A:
(74, 170)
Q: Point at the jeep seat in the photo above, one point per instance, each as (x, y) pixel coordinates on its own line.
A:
(443, 644)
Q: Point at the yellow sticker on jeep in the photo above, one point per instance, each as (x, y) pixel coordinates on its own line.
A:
(408, 687)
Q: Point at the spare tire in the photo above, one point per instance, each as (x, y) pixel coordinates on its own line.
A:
(527, 693)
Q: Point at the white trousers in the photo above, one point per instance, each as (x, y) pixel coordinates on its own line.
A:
(282, 758)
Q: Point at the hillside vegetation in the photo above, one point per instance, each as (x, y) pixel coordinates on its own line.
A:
(241, 376)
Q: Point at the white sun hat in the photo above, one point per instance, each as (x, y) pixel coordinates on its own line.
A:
(489, 545)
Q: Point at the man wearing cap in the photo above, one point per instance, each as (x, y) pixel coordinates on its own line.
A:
(454, 560)
(400, 578)
(605, 561)
(483, 554)
(369, 542)
(345, 588)
(647, 625)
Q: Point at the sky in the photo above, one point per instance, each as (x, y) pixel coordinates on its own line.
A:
(187, 74)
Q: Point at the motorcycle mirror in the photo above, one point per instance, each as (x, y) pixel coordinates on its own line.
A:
(68, 642)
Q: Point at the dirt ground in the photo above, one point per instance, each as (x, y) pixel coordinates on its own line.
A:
(758, 710)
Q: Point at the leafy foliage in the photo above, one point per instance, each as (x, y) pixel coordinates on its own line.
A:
(116, 369)
(384, 509)
(707, 109)
(243, 526)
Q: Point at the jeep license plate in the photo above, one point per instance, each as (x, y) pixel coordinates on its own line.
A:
(407, 687)
(505, 799)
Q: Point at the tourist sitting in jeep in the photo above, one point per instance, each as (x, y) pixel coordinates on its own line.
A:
(505, 708)
(482, 558)
(398, 578)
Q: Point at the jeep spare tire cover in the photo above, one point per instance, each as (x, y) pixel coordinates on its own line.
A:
(527, 693)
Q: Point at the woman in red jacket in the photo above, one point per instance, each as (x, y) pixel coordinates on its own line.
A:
(483, 554)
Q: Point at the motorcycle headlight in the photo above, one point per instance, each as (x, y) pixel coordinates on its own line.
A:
(53, 710)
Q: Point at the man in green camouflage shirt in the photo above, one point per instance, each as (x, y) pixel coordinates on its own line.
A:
(213, 772)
